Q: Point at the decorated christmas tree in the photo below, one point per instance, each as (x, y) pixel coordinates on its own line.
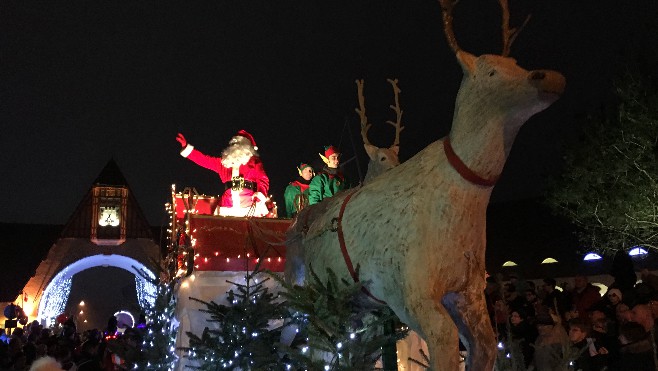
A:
(240, 335)
(337, 330)
(159, 330)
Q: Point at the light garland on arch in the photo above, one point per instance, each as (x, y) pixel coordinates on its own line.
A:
(56, 294)
(146, 292)
(54, 300)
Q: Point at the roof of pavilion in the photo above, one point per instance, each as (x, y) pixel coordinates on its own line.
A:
(527, 233)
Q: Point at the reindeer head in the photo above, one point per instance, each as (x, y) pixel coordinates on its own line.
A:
(500, 86)
(381, 159)
(495, 88)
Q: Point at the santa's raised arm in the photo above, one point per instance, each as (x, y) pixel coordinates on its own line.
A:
(241, 172)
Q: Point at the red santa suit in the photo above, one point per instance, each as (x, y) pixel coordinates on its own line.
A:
(241, 183)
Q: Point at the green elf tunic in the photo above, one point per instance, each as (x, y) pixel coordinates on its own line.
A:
(296, 196)
(325, 184)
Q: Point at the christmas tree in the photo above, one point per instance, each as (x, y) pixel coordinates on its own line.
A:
(337, 329)
(159, 330)
(240, 337)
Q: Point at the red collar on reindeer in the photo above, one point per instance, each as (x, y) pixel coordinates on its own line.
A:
(463, 169)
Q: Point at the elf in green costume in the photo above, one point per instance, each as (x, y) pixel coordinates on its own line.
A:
(330, 180)
(296, 193)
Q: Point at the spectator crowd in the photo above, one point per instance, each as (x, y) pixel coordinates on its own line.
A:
(541, 326)
(36, 348)
(551, 327)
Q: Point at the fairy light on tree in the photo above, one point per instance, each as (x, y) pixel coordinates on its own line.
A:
(158, 349)
(336, 331)
(240, 335)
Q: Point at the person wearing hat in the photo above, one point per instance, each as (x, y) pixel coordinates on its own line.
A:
(330, 180)
(549, 344)
(240, 170)
(612, 300)
(296, 193)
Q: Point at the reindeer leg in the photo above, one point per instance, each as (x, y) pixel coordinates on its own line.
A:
(440, 334)
(469, 312)
(295, 269)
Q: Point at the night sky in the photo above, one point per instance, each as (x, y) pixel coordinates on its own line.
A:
(82, 82)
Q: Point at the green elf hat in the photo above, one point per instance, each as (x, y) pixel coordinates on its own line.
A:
(303, 166)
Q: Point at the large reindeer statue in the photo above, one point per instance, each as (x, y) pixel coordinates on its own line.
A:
(381, 159)
(417, 232)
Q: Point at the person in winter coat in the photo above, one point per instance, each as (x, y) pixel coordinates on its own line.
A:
(550, 345)
(636, 352)
(241, 171)
(524, 333)
(584, 296)
(330, 180)
(296, 193)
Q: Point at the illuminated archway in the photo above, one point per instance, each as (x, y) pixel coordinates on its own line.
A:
(55, 295)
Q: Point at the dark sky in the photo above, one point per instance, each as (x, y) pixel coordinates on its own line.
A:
(85, 81)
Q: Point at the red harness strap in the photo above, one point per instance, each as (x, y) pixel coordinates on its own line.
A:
(346, 255)
(463, 169)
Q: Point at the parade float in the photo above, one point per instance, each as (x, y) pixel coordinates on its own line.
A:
(207, 252)
(415, 236)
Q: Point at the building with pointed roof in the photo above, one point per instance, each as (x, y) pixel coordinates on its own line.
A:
(103, 259)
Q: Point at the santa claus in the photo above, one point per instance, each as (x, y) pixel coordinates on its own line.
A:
(241, 172)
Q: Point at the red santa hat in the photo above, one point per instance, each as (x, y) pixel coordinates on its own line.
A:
(243, 133)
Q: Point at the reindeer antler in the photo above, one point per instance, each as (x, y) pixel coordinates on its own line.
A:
(509, 34)
(446, 10)
(362, 112)
(398, 112)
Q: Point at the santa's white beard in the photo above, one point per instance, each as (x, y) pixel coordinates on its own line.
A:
(237, 154)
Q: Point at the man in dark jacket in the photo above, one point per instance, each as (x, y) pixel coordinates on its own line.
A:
(554, 299)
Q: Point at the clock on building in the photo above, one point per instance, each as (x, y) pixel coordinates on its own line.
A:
(109, 216)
